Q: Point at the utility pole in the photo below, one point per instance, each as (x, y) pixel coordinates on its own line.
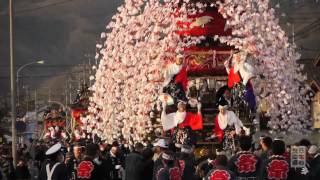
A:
(12, 87)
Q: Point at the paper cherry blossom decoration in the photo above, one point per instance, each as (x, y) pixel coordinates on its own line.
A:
(140, 41)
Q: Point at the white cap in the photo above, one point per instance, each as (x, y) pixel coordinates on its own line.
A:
(53, 149)
(161, 143)
(313, 149)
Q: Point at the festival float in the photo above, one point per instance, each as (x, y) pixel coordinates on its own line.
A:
(81, 128)
(55, 121)
(161, 57)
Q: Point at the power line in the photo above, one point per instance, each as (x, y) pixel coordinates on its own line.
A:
(26, 10)
(42, 7)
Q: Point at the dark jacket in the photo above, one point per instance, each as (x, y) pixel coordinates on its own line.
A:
(6, 165)
(113, 161)
(22, 172)
(187, 166)
(72, 165)
(146, 169)
(59, 173)
(132, 163)
(314, 173)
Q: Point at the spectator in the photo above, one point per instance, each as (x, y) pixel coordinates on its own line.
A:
(133, 162)
(314, 172)
(266, 145)
(22, 171)
(159, 147)
(266, 151)
(304, 142)
(6, 163)
(114, 160)
(74, 160)
(146, 168)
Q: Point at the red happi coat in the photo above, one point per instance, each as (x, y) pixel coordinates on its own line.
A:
(217, 130)
(233, 78)
(182, 78)
(193, 120)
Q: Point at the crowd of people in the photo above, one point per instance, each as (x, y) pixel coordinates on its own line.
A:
(162, 160)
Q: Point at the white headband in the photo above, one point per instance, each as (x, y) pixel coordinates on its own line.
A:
(223, 107)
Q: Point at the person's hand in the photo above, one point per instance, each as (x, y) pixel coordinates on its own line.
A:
(226, 64)
(199, 106)
(164, 105)
(20, 163)
(118, 166)
(247, 131)
(304, 171)
(232, 133)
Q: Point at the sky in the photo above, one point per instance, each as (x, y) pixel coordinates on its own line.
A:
(62, 32)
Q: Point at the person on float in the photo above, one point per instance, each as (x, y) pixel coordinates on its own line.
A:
(240, 75)
(182, 123)
(227, 120)
(181, 117)
(244, 163)
(55, 168)
(176, 80)
(220, 171)
(224, 94)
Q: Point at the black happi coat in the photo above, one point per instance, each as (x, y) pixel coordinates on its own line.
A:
(88, 170)
(276, 167)
(221, 173)
(184, 136)
(244, 164)
(187, 166)
(175, 91)
(168, 172)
